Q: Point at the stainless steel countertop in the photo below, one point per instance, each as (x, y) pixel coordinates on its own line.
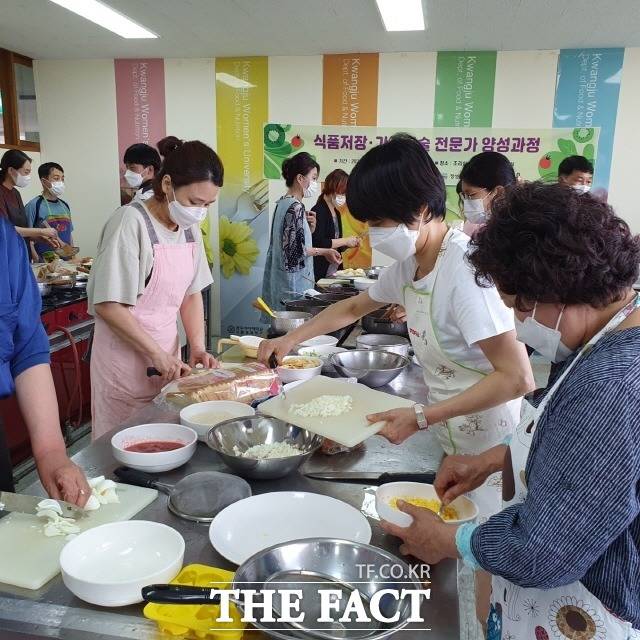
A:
(53, 612)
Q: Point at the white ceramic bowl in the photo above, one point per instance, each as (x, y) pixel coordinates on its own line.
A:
(202, 416)
(110, 564)
(362, 284)
(322, 351)
(466, 508)
(161, 460)
(292, 375)
(320, 340)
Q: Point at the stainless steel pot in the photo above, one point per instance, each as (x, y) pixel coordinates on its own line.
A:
(392, 343)
(286, 321)
(374, 272)
(375, 323)
(44, 288)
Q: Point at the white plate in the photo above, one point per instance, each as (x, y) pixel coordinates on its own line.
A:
(320, 340)
(281, 516)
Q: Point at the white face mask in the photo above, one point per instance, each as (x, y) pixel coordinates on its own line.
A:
(341, 201)
(184, 216)
(133, 179)
(545, 340)
(399, 243)
(57, 188)
(21, 181)
(582, 188)
(312, 190)
(474, 210)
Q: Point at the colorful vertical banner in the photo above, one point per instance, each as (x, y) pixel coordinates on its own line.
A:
(140, 102)
(465, 82)
(350, 98)
(242, 103)
(587, 90)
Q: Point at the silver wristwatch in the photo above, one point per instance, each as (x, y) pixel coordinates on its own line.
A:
(420, 417)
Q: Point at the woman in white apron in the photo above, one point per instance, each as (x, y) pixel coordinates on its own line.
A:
(564, 551)
(462, 334)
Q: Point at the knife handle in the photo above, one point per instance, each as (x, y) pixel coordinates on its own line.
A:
(426, 477)
(180, 594)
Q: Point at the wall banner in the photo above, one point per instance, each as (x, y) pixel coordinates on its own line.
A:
(350, 98)
(465, 83)
(587, 89)
(140, 102)
(242, 87)
(533, 152)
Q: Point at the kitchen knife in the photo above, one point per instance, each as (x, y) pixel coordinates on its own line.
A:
(374, 476)
(29, 504)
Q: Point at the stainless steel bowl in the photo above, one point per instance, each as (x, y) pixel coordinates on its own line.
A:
(286, 321)
(319, 564)
(371, 367)
(374, 272)
(385, 342)
(232, 437)
(44, 288)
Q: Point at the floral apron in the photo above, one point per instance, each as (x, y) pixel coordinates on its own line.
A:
(470, 434)
(570, 612)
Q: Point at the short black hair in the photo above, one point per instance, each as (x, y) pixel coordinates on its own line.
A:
(12, 159)
(46, 167)
(488, 170)
(143, 154)
(575, 163)
(300, 164)
(395, 181)
(547, 243)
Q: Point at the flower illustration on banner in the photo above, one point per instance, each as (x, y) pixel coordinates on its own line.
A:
(550, 161)
(277, 148)
(238, 249)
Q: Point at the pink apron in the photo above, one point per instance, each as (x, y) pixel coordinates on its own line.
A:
(119, 382)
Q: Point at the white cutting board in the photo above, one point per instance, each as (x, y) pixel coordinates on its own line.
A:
(348, 429)
(30, 559)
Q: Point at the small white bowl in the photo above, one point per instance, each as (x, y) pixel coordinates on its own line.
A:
(362, 284)
(466, 508)
(322, 351)
(291, 375)
(331, 341)
(159, 461)
(202, 416)
(110, 564)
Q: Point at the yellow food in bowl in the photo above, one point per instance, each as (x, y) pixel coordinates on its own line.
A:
(301, 363)
(448, 513)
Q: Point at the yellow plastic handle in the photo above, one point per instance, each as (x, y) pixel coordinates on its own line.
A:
(226, 341)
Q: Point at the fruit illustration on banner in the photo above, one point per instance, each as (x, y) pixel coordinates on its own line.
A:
(277, 148)
(550, 161)
(238, 248)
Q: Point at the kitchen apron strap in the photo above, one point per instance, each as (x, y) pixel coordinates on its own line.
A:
(153, 236)
(6, 469)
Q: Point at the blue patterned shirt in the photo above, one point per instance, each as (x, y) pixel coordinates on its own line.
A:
(581, 518)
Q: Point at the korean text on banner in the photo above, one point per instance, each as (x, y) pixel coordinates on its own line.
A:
(350, 98)
(242, 110)
(140, 102)
(587, 89)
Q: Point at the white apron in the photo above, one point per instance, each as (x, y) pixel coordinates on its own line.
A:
(470, 434)
(572, 611)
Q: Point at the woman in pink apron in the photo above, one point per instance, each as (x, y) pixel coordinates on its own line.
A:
(149, 272)
(564, 551)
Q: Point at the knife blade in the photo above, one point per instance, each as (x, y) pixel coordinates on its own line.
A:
(29, 504)
(373, 476)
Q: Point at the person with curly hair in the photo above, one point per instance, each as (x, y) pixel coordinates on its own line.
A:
(564, 551)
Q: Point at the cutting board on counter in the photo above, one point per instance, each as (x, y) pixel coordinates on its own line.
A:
(30, 559)
(350, 428)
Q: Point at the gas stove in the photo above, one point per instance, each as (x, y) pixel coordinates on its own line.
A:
(62, 297)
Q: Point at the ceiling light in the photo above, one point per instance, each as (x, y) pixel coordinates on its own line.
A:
(233, 81)
(106, 17)
(401, 15)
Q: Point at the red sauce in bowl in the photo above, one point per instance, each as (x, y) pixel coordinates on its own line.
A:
(154, 446)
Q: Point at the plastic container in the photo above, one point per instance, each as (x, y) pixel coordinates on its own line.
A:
(198, 621)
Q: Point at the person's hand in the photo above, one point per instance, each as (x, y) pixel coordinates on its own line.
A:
(280, 347)
(311, 219)
(50, 235)
(400, 424)
(458, 475)
(352, 241)
(169, 366)
(62, 479)
(428, 538)
(398, 314)
(200, 356)
(332, 256)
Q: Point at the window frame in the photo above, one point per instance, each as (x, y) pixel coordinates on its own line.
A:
(10, 101)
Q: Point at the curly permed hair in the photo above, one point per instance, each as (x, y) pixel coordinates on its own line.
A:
(549, 243)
